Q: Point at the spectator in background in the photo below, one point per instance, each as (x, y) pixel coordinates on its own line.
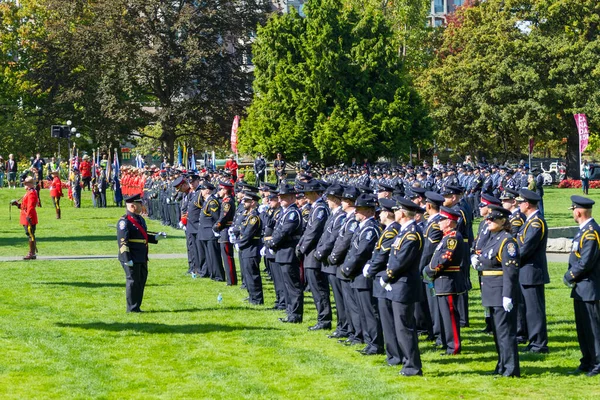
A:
(232, 166)
(585, 177)
(260, 168)
(38, 163)
(85, 168)
(279, 166)
(2, 172)
(11, 171)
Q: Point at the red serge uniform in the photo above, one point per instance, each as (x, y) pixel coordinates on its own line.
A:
(232, 166)
(56, 188)
(86, 169)
(27, 206)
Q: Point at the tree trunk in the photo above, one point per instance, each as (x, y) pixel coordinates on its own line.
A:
(573, 151)
(168, 141)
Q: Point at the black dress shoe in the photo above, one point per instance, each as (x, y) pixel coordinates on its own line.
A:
(521, 340)
(420, 373)
(290, 321)
(593, 372)
(319, 326)
(337, 335)
(578, 371)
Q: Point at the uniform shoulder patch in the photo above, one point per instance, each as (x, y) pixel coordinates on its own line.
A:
(590, 237)
(292, 216)
(226, 206)
(411, 236)
(390, 234)
(369, 235)
(536, 224)
(320, 214)
(452, 243)
(253, 220)
(511, 249)
(122, 225)
(352, 225)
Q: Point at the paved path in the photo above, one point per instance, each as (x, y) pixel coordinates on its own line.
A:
(552, 257)
(97, 257)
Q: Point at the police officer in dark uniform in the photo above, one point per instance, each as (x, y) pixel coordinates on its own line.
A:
(376, 268)
(317, 280)
(533, 274)
(499, 263)
(206, 234)
(282, 243)
(432, 235)
(583, 277)
(334, 223)
(270, 221)
(183, 187)
(133, 239)
(198, 266)
(402, 283)
(363, 243)
(248, 244)
(445, 272)
(222, 226)
(336, 258)
(516, 220)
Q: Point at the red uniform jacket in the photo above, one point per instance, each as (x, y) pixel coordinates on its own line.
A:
(56, 188)
(86, 169)
(27, 206)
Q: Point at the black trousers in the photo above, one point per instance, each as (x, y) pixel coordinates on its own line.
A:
(319, 286)
(392, 348)
(535, 316)
(192, 251)
(342, 326)
(504, 325)
(213, 259)
(251, 272)
(229, 262)
(587, 322)
(462, 302)
(521, 319)
(406, 334)
(423, 315)
(450, 323)
(434, 311)
(369, 319)
(278, 284)
(294, 291)
(135, 281)
(352, 311)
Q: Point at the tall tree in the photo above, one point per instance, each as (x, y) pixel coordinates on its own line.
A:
(332, 85)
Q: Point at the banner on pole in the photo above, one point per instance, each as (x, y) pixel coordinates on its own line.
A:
(234, 130)
(531, 144)
(584, 133)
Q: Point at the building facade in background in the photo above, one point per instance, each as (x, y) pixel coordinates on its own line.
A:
(440, 9)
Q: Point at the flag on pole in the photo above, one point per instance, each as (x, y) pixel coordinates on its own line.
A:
(193, 161)
(584, 133)
(179, 156)
(213, 165)
(186, 157)
(234, 130)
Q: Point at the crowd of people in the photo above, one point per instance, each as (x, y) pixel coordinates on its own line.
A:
(396, 249)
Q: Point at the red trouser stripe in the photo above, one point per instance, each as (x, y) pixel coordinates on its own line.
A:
(231, 273)
(302, 272)
(454, 326)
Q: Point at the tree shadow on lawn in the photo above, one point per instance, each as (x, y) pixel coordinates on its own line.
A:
(150, 327)
(213, 308)
(94, 285)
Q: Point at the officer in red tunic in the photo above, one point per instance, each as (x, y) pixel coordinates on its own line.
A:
(29, 218)
(56, 192)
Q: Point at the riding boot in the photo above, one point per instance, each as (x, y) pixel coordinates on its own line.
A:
(58, 213)
(31, 255)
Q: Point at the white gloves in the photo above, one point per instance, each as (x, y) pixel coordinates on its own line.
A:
(385, 285)
(237, 247)
(272, 252)
(180, 225)
(231, 236)
(263, 251)
(217, 234)
(475, 263)
(366, 271)
(507, 304)
(129, 263)
(160, 235)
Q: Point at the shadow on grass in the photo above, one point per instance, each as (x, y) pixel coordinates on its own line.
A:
(150, 327)
(215, 308)
(94, 285)
(16, 240)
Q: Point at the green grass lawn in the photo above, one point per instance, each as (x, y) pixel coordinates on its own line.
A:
(64, 333)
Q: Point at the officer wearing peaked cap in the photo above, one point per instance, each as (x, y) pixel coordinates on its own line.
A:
(376, 269)
(248, 242)
(133, 239)
(283, 242)
(206, 235)
(583, 277)
(402, 283)
(499, 264)
(533, 274)
(364, 239)
(448, 281)
(306, 248)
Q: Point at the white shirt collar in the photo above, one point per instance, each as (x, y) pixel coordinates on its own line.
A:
(581, 226)
(532, 214)
(350, 213)
(364, 222)
(406, 224)
(336, 209)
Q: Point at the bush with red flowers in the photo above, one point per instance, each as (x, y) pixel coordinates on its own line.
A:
(576, 184)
